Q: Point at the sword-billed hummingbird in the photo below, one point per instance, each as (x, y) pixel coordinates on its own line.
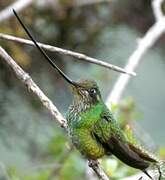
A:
(92, 127)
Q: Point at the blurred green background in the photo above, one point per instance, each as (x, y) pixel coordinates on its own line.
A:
(32, 144)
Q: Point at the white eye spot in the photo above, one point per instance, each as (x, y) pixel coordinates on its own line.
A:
(92, 91)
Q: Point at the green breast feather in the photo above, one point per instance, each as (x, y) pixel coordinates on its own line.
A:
(85, 125)
(80, 128)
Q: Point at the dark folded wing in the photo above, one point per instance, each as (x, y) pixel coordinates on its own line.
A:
(108, 133)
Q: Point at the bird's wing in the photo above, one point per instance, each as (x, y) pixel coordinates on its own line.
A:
(108, 133)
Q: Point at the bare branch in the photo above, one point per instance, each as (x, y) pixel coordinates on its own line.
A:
(149, 39)
(157, 10)
(18, 6)
(30, 84)
(26, 80)
(89, 174)
(99, 172)
(78, 56)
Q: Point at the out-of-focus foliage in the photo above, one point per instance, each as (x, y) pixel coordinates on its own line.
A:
(33, 146)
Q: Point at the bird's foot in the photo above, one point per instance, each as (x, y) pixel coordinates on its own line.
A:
(93, 163)
(147, 174)
(140, 178)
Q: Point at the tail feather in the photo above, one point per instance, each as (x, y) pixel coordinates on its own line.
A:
(143, 154)
(130, 157)
(145, 172)
(139, 158)
(157, 167)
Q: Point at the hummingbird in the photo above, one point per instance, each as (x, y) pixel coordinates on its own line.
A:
(92, 126)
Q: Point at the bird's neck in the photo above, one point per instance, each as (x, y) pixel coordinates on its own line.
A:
(83, 117)
(80, 105)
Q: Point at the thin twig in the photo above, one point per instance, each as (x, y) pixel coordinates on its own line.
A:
(138, 176)
(148, 40)
(3, 170)
(76, 3)
(40, 167)
(80, 3)
(63, 159)
(157, 9)
(30, 84)
(18, 6)
(78, 56)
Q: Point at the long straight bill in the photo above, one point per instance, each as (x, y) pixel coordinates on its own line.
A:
(42, 51)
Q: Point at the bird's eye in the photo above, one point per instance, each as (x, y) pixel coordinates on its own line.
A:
(92, 91)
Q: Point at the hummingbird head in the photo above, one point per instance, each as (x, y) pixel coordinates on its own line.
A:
(86, 91)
